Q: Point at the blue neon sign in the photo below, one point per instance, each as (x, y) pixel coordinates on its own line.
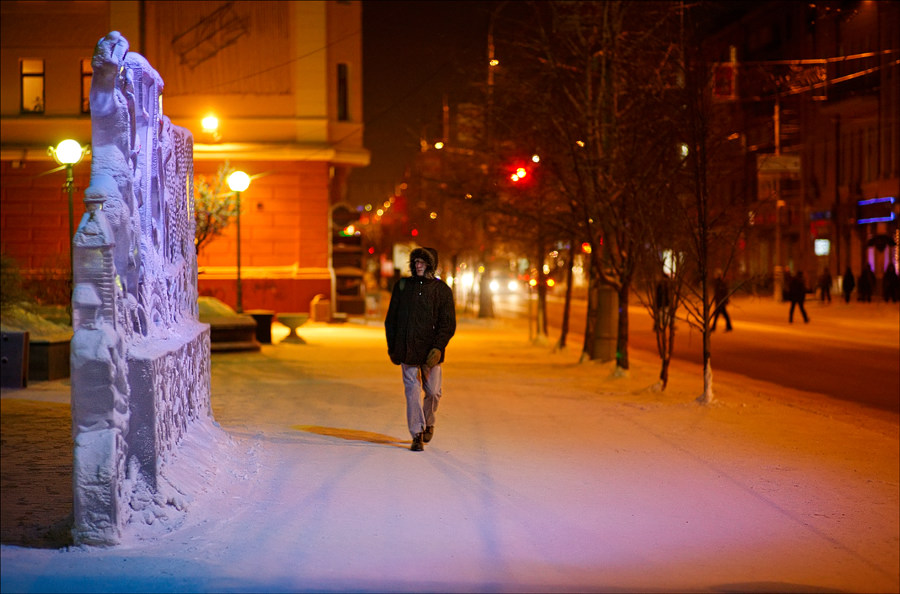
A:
(876, 210)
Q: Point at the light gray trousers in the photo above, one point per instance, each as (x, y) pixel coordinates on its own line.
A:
(419, 412)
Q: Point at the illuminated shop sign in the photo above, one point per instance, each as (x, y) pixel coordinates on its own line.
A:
(875, 210)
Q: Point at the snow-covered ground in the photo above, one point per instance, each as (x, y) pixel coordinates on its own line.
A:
(543, 475)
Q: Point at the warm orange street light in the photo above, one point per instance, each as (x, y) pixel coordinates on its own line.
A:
(69, 153)
(238, 182)
(210, 124)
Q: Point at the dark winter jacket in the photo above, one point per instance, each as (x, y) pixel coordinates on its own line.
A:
(849, 282)
(889, 283)
(798, 289)
(421, 315)
(720, 292)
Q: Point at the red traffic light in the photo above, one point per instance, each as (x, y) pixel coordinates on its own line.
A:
(520, 174)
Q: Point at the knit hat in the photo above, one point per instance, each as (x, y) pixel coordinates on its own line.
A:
(429, 255)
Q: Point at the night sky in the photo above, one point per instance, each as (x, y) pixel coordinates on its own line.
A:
(413, 53)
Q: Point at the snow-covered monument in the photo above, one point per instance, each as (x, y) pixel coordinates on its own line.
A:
(140, 357)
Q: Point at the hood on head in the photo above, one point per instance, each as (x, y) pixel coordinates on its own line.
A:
(429, 255)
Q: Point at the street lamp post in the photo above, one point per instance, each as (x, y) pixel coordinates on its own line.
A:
(238, 182)
(69, 153)
(779, 270)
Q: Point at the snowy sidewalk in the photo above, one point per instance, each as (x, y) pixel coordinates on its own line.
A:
(543, 475)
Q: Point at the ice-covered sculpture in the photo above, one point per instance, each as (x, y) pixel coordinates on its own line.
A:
(140, 356)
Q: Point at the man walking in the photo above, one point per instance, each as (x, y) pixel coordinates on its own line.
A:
(825, 285)
(720, 296)
(798, 296)
(420, 322)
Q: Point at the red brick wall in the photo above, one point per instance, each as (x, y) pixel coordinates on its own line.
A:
(280, 295)
(284, 217)
(284, 221)
(34, 214)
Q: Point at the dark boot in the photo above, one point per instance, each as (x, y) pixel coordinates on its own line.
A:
(429, 433)
(417, 445)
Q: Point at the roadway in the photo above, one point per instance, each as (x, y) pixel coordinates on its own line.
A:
(847, 351)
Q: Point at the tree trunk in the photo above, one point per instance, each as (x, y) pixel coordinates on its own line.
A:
(590, 321)
(485, 299)
(541, 318)
(561, 344)
(622, 331)
(454, 266)
(707, 396)
(664, 325)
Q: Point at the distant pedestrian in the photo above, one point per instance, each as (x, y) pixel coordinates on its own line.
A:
(825, 285)
(848, 284)
(797, 294)
(890, 284)
(720, 298)
(420, 321)
(866, 284)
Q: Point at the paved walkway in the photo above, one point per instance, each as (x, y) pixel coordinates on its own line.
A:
(36, 441)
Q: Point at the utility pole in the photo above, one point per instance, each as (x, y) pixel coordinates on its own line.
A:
(779, 270)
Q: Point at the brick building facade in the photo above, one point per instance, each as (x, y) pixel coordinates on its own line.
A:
(819, 85)
(284, 80)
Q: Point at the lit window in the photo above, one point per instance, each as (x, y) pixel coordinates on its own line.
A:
(86, 72)
(32, 75)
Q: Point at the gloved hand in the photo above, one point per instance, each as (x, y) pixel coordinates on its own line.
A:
(434, 357)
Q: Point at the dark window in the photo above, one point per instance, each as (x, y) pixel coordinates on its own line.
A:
(32, 76)
(86, 72)
(343, 108)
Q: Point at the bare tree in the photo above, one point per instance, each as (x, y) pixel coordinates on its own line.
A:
(712, 217)
(214, 206)
(599, 72)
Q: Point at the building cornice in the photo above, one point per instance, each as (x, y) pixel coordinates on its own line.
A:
(262, 151)
(234, 151)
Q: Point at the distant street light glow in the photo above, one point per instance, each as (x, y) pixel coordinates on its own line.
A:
(238, 181)
(68, 152)
(468, 280)
(210, 124)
